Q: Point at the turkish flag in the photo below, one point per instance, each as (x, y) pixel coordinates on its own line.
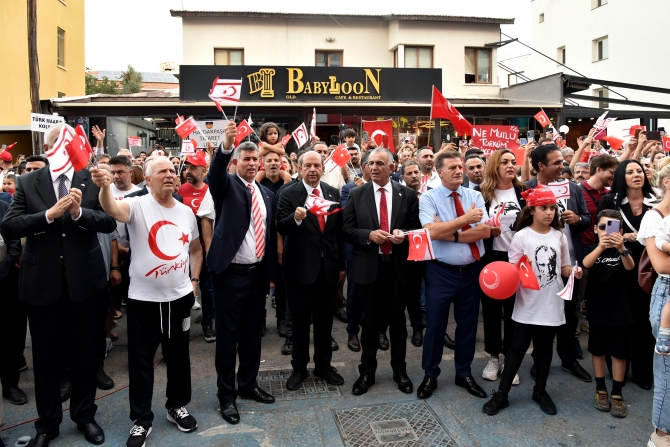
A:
(300, 135)
(666, 144)
(378, 130)
(542, 118)
(79, 149)
(185, 127)
(526, 274)
(420, 245)
(440, 107)
(243, 129)
(339, 157)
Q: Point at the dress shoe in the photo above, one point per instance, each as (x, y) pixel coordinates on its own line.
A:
(42, 440)
(15, 395)
(417, 338)
(330, 376)
(576, 369)
(546, 404)
(449, 342)
(428, 385)
(404, 383)
(287, 349)
(229, 413)
(471, 386)
(295, 380)
(65, 388)
(103, 380)
(333, 344)
(497, 402)
(362, 384)
(259, 395)
(383, 341)
(92, 432)
(353, 343)
(341, 314)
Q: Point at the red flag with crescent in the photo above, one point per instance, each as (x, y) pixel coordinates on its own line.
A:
(666, 144)
(526, 274)
(79, 149)
(338, 158)
(381, 132)
(440, 107)
(542, 118)
(420, 245)
(185, 127)
(243, 130)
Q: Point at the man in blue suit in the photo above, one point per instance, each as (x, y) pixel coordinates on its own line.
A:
(243, 260)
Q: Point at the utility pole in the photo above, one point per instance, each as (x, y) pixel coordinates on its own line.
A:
(33, 67)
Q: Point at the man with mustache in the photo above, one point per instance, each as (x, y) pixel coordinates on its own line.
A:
(474, 170)
(429, 177)
(581, 173)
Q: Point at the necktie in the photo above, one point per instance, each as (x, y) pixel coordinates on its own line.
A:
(320, 218)
(460, 212)
(62, 187)
(384, 221)
(259, 229)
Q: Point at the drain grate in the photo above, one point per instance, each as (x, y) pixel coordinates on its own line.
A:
(399, 424)
(274, 382)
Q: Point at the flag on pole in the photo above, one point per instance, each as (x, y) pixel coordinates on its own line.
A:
(134, 141)
(9, 146)
(602, 122)
(542, 118)
(566, 293)
(225, 91)
(300, 135)
(79, 149)
(188, 147)
(666, 144)
(338, 158)
(185, 127)
(312, 127)
(420, 245)
(381, 132)
(243, 129)
(440, 107)
(249, 120)
(526, 274)
(319, 206)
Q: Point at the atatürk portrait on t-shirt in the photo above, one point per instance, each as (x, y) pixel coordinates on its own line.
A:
(545, 260)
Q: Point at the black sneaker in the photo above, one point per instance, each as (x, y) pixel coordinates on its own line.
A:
(287, 349)
(208, 333)
(180, 417)
(138, 436)
(546, 404)
(497, 402)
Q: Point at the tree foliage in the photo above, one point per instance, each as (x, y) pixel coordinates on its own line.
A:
(104, 85)
(131, 81)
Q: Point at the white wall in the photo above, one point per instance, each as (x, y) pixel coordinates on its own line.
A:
(637, 32)
(364, 44)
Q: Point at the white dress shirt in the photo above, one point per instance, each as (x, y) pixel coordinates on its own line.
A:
(55, 180)
(246, 254)
(389, 205)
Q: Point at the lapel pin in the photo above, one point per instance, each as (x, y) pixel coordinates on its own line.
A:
(83, 184)
(400, 194)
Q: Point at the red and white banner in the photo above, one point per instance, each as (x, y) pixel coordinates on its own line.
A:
(602, 122)
(134, 141)
(666, 144)
(440, 107)
(420, 245)
(188, 147)
(319, 206)
(560, 189)
(338, 158)
(300, 135)
(542, 118)
(243, 129)
(492, 138)
(69, 151)
(225, 91)
(381, 132)
(185, 127)
(312, 127)
(526, 274)
(495, 220)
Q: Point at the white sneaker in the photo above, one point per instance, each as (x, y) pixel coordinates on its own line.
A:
(196, 305)
(658, 441)
(491, 370)
(516, 379)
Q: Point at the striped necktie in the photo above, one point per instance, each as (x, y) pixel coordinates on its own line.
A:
(259, 227)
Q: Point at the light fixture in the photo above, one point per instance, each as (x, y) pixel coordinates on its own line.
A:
(579, 120)
(330, 39)
(569, 121)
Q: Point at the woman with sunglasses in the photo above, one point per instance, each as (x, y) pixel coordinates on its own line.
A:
(632, 195)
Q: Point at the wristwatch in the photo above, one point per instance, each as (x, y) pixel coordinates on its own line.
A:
(195, 280)
(456, 236)
(626, 252)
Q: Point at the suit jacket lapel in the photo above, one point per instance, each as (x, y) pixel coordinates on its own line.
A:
(369, 198)
(328, 195)
(79, 181)
(395, 204)
(45, 188)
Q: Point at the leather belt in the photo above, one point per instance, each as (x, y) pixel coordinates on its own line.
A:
(246, 268)
(457, 268)
(385, 258)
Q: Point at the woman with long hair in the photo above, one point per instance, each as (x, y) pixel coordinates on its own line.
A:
(501, 191)
(632, 195)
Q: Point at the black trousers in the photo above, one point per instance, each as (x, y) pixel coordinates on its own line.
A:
(151, 324)
(13, 328)
(306, 301)
(496, 312)
(384, 301)
(240, 311)
(45, 322)
(543, 344)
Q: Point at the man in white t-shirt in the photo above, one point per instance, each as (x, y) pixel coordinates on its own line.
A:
(165, 243)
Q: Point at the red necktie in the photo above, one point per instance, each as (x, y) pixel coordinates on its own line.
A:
(319, 217)
(384, 221)
(259, 229)
(459, 213)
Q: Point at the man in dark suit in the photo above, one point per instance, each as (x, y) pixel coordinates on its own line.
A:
(547, 160)
(59, 215)
(243, 260)
(313, 265)
(375, 218)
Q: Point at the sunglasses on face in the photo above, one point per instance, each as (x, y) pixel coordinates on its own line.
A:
(602, 226)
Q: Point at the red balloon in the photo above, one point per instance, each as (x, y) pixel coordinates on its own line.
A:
(499, 280)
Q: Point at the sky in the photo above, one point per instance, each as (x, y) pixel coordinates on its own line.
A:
(143, 34)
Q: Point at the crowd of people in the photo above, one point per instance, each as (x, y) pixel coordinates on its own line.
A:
(141, 234)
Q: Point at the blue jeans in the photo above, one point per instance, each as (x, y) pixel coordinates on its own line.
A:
(661, 408)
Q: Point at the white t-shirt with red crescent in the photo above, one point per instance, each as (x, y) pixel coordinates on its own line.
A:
(159, 239)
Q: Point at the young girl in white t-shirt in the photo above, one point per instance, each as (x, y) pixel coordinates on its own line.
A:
(537, 313)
